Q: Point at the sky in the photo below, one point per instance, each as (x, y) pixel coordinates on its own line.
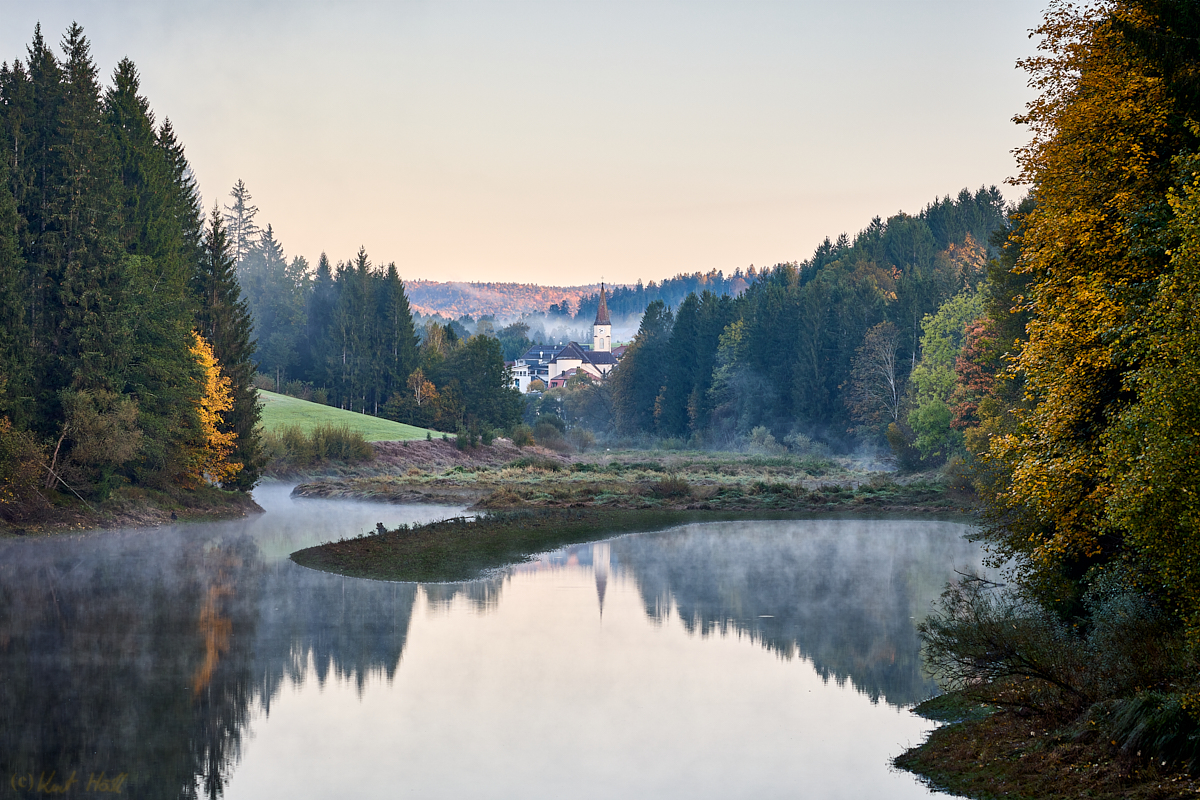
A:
(568, 142)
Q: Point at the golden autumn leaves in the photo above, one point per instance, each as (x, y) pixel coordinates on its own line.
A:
(210, 462)
(1100, 456)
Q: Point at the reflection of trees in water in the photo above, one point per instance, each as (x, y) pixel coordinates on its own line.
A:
(111, 667)
(143, 653)
(483, 595)
(842, 594)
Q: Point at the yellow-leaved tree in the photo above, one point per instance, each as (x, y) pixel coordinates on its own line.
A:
(210, 459)
(1106, 128)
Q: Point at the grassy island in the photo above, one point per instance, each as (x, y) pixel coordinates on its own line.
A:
(536, 503)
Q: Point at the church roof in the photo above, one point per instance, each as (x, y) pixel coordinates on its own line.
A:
(600, 357)
(602, 311)
(541, 352)
(572, 351)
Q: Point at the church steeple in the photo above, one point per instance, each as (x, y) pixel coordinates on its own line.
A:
(602, 311)
(602, 327)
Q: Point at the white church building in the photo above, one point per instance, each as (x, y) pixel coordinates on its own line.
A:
(547, 362)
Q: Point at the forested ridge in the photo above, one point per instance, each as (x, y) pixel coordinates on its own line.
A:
(821, 349)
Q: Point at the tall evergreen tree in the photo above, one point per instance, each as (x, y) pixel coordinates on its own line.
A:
(224, 321)
(240, 227)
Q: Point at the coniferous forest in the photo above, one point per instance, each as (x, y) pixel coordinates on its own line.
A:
(133, 321)
(125, 348)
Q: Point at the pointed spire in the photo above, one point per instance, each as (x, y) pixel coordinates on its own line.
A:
(602, 311)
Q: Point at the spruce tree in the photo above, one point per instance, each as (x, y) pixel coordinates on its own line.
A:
(182, 203)
(224, 321)
(401, 339)
(241, 231)
(315, 354)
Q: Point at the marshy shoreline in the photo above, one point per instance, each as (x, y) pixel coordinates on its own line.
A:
(502, 477)
(541, 500)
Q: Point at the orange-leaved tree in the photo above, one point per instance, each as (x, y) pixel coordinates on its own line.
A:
(210, 459)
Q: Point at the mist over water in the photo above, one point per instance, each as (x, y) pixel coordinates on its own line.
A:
(715, 660)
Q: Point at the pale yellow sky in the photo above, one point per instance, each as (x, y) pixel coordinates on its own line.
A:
(562, 142)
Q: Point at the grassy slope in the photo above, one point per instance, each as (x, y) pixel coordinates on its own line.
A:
(279, 411)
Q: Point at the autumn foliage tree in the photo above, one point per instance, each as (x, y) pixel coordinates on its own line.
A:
(210, 461)
(1079, 477)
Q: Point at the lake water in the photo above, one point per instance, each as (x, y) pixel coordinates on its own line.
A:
(756, 659)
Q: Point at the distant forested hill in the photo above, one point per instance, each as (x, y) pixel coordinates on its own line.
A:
(454, 299)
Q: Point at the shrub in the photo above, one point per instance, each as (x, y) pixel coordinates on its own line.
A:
(264, 382)
(20, 473)
(901, 438)
(1158, 724)
(292, 447)
(536, 462)
(582, 438)
(1001, 648)
(522, 435)
(671, 487)
(762, 441)
(549, 435)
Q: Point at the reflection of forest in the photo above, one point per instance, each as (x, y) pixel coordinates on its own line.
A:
(840, 593)
(143, 653)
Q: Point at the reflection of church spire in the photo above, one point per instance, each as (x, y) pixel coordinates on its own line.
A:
(600, 555)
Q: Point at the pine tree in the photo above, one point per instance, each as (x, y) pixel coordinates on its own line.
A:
(182, 203)
(242, 232)
(400, 339)
(224, 321)
(315, 355)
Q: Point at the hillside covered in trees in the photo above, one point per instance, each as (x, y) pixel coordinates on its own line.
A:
(343, 334)
(818, 349)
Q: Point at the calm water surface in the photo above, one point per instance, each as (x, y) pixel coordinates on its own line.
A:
(756, 659)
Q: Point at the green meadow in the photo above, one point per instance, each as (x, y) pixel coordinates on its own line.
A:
(280, 411)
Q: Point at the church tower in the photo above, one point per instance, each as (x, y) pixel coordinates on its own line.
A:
(602, 327)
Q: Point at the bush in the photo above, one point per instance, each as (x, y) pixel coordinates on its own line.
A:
(671, 487)
(522, 435)
(292, 447)
(20, 473)
(549, 435)
(762, 441)
(901, 438)
(536, 462)
(264, 382)
(1001, 648)
(582, 439)
(1158, 724)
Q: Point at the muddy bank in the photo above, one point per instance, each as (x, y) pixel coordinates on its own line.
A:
(136, 508)
(986, 753)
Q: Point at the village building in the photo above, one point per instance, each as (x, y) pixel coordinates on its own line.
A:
(550, 363)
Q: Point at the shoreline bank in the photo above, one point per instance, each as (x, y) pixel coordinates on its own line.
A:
(985, 752)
